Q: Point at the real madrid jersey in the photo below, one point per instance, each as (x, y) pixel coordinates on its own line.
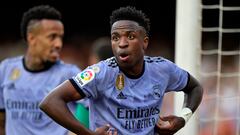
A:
(22, 90)
(130, 105)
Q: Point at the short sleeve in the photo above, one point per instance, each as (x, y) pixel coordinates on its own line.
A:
(178, 77)
(86, 81)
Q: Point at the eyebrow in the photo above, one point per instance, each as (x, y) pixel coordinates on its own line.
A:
(126, 31)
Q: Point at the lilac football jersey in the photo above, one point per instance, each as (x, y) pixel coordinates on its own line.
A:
(128, 103)
(22, 90)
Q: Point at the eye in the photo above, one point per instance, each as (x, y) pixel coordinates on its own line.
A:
(115, 38)
(131, 36)
(52, 36)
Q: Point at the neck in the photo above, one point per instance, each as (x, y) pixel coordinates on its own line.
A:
(134, 72)
(33, 63)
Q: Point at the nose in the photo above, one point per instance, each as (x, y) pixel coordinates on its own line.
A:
(58, 43)
(123, 43)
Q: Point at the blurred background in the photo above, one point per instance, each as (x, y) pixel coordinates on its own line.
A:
(86, 21)
(219, 113)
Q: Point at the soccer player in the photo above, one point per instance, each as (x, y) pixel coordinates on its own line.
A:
(126, 91)
(26, 80)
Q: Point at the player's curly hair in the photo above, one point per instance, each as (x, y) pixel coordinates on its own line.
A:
(38, 13)
(131, 13)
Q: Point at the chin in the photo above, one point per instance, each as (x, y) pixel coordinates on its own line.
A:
(125, 64)
(53, 59)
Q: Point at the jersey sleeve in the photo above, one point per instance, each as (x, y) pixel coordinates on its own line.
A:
(86, 81)
(178, 77)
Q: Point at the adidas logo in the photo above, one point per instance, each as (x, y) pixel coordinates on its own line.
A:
(121, 96)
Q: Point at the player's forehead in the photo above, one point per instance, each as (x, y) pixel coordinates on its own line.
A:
(52, 24)
(125, 25)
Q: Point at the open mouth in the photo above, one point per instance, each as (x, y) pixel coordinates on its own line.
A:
(123, 57)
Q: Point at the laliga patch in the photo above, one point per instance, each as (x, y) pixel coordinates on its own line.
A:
(85, 77)
(157, 92)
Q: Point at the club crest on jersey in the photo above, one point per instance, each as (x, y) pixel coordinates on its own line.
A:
(120, 82)
(15, 74)
(85, 77)
(156, 92)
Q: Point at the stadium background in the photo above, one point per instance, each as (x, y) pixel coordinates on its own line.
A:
(88, 20)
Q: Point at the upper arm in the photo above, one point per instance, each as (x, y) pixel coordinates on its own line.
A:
(177, 77)
(2, 120)
(2, 115)
(191, 84)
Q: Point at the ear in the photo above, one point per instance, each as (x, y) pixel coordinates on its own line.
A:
(31, 38)
(145, 42)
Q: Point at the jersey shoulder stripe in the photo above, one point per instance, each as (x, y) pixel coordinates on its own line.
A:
(149, 59)
(111, 62)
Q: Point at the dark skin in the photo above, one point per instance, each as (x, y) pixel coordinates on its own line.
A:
(129, 42)
(2, 122)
